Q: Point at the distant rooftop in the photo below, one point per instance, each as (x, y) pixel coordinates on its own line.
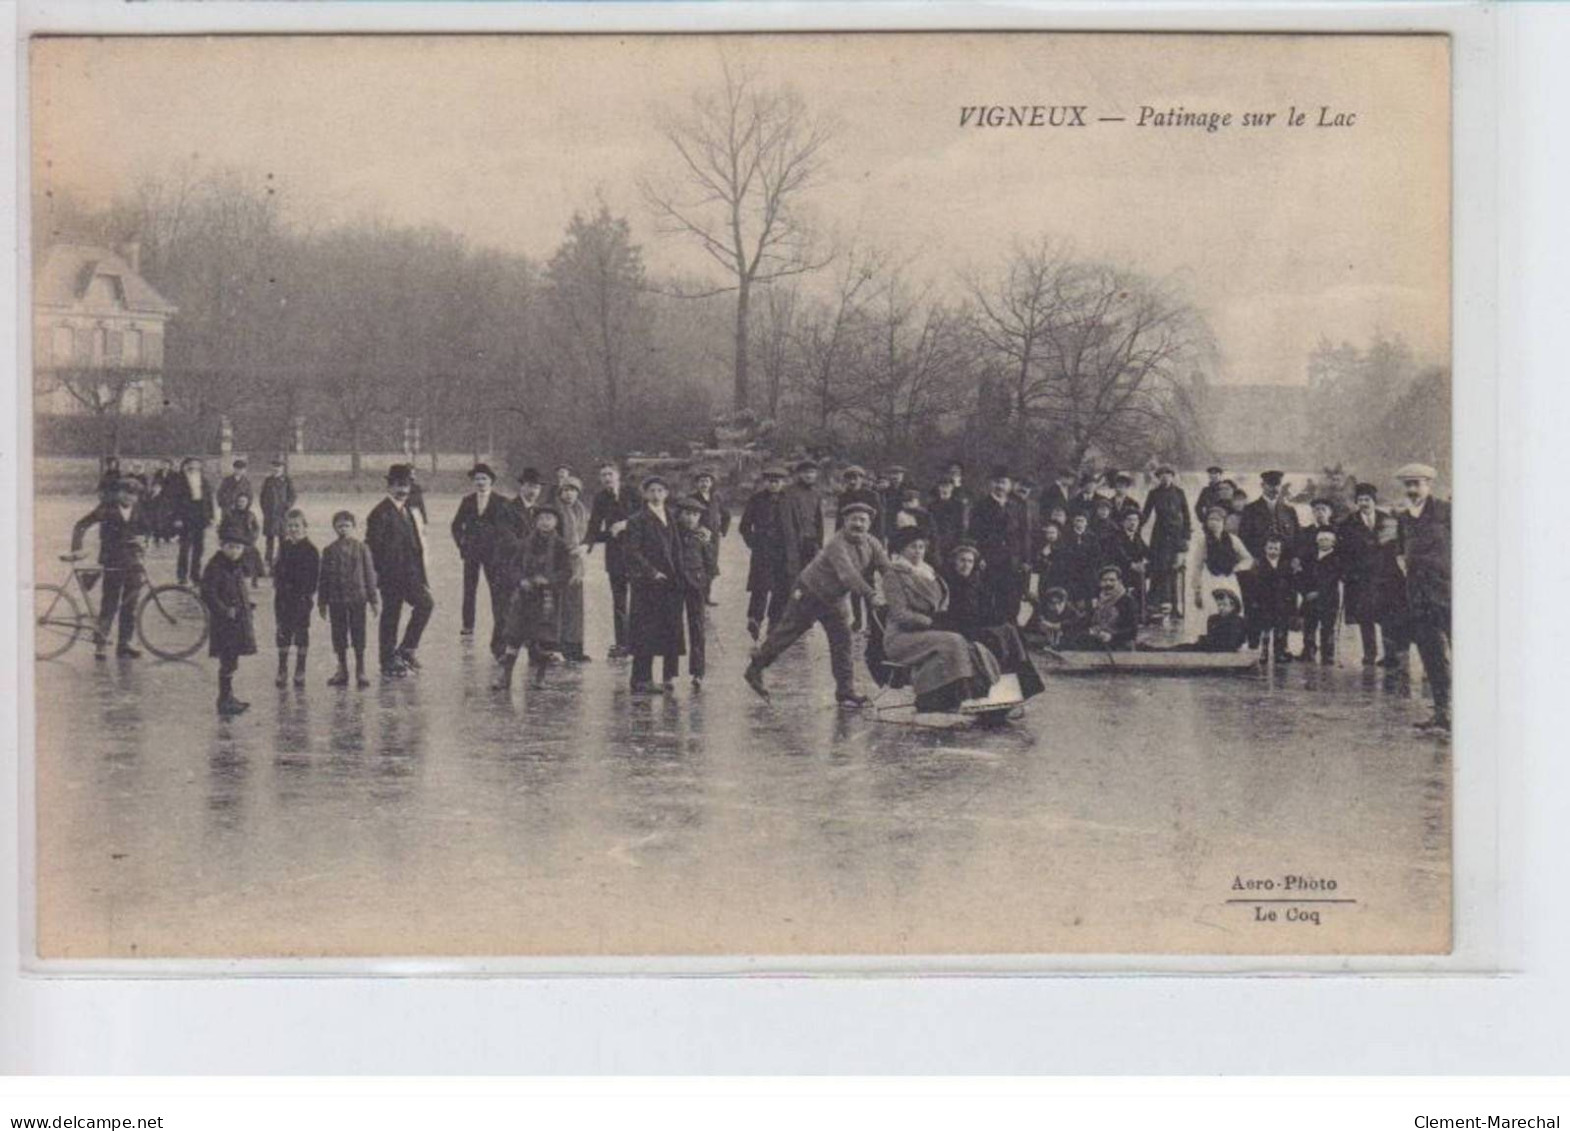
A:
(65, 277)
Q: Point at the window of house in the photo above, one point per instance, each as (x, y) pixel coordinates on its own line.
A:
(84, 347)
(114, 346)
(131, 352)
(62, 345)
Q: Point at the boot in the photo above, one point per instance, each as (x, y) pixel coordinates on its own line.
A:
(283, 668)
(539, 663)
(754, 677)
(299, 668)
(341, 676)
(503, 680)
(1439, 720)
(359, 671)
(228, 705)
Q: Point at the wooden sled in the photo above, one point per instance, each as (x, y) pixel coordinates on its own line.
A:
(1149, 663)
(1004, 701)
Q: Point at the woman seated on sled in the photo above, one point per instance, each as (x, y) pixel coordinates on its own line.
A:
(968, 615)
(947, 670)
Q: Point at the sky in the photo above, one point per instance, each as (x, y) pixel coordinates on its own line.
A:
(1279, 234)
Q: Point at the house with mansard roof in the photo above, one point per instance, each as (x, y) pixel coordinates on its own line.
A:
(98, 333)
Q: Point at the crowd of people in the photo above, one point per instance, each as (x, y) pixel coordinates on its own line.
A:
(953, 589)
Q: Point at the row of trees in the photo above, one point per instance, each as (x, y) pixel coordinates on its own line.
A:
(1050, 356)
(1376, 406)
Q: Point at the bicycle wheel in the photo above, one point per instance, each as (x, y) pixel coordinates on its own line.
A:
(57, 622)
(172, 622)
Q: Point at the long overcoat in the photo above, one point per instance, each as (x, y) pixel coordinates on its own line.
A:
(1358, 545)
(1425, 543)
(654, 622)
(226, 591)
(776, 557)
(1170, 534)
(278, 495)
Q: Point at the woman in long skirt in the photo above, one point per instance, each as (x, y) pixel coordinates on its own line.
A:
(945, 668)
(574, 525)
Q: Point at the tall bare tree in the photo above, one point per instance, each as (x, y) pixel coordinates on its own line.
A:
(744, 154)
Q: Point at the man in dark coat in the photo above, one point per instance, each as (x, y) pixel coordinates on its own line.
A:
(481, 513)
(192, 510)
(1166, 509)
(122, 530)
(1319, 584)
(277, 500)
(1269, 514)
(950, 515)
(804, 511)
(235, 484)
(1060, 495)
(1128, 551)
(776, 556)
(1357, 541)
(655, 622)
(715, 519)
(1210, 493)
(1122, 502)
(1084, 500)
(892, 496)
(1273, 600)
(613, 506)
(1425, 548)
(998, 528)
(393, 536)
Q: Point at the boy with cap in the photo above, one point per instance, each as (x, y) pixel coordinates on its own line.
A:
(614, 504)
(346, 585)
(776, 557)
(1272, 601)
(398, 551)
(232, 632)
(278, 499)
(122, 532)
(1425, 549)
(843, 566)
(295, 578)
(654, 625)
(696, 574)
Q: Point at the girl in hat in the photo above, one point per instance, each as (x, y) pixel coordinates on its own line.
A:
(544, 570)
(239, 522)
(574, 529)
(233, 632)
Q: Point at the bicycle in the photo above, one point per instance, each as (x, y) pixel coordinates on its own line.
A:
(171, 620)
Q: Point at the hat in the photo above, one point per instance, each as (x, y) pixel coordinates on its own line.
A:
(1416, 471)
(240, 461)
(905, 535)
(775, 471)
(999, 471)
(1222, 511)
(1067, 472)
(651, 480)
(134, 486)
(805, 465)
(1321, 501)
(1271, 478)
(1055, 591)
(399, 473)
(574, 482)
(965, 546)
(278, 461)
(1219, 592)
(482, 469)
(1320, 530)
(567, 467)
(1165, 469)
(895, 468)
(1115, 571)
(702, 471)
(1214, 470)
(1123, 478)
(529, 475)
(339, 516)
(550, 509)
(1025, 481)
(1102, 501)
(955, 462)
(689, 503)
(855, 469)
(1365, 489)
(857, 508)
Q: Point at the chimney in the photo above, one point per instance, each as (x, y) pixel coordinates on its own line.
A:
(131, 252)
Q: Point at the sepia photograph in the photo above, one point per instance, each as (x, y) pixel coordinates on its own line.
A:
(838, 496)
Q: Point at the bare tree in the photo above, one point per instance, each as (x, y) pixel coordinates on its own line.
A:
(745, 154)
(774, 344)
(830, 337)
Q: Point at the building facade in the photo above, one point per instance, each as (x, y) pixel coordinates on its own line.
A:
(98, 333)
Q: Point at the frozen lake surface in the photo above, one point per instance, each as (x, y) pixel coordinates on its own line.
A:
(432, 816)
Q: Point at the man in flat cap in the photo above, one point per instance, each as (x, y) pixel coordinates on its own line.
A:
(1425, 549)
(858, 490)
(398, 552)
(715, 519)
(776, 555)
(122, 534)
(1210, 493)
(1170, 534)
(845, 565)
(233, 485)
(804, 510)
(277, 500)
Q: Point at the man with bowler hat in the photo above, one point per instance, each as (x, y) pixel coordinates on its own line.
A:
(398, 553)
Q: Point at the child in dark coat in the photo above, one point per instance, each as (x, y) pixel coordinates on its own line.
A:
(697, 574)
(295, 575)
(544, 570)
(233, 632)
(239, 522)
(1319, 581)
(346, 585)
(1272, 600)
(1225, 630)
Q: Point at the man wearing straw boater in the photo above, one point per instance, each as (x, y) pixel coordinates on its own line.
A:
(1425, 548)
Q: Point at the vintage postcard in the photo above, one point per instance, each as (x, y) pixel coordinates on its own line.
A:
(871, 495)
